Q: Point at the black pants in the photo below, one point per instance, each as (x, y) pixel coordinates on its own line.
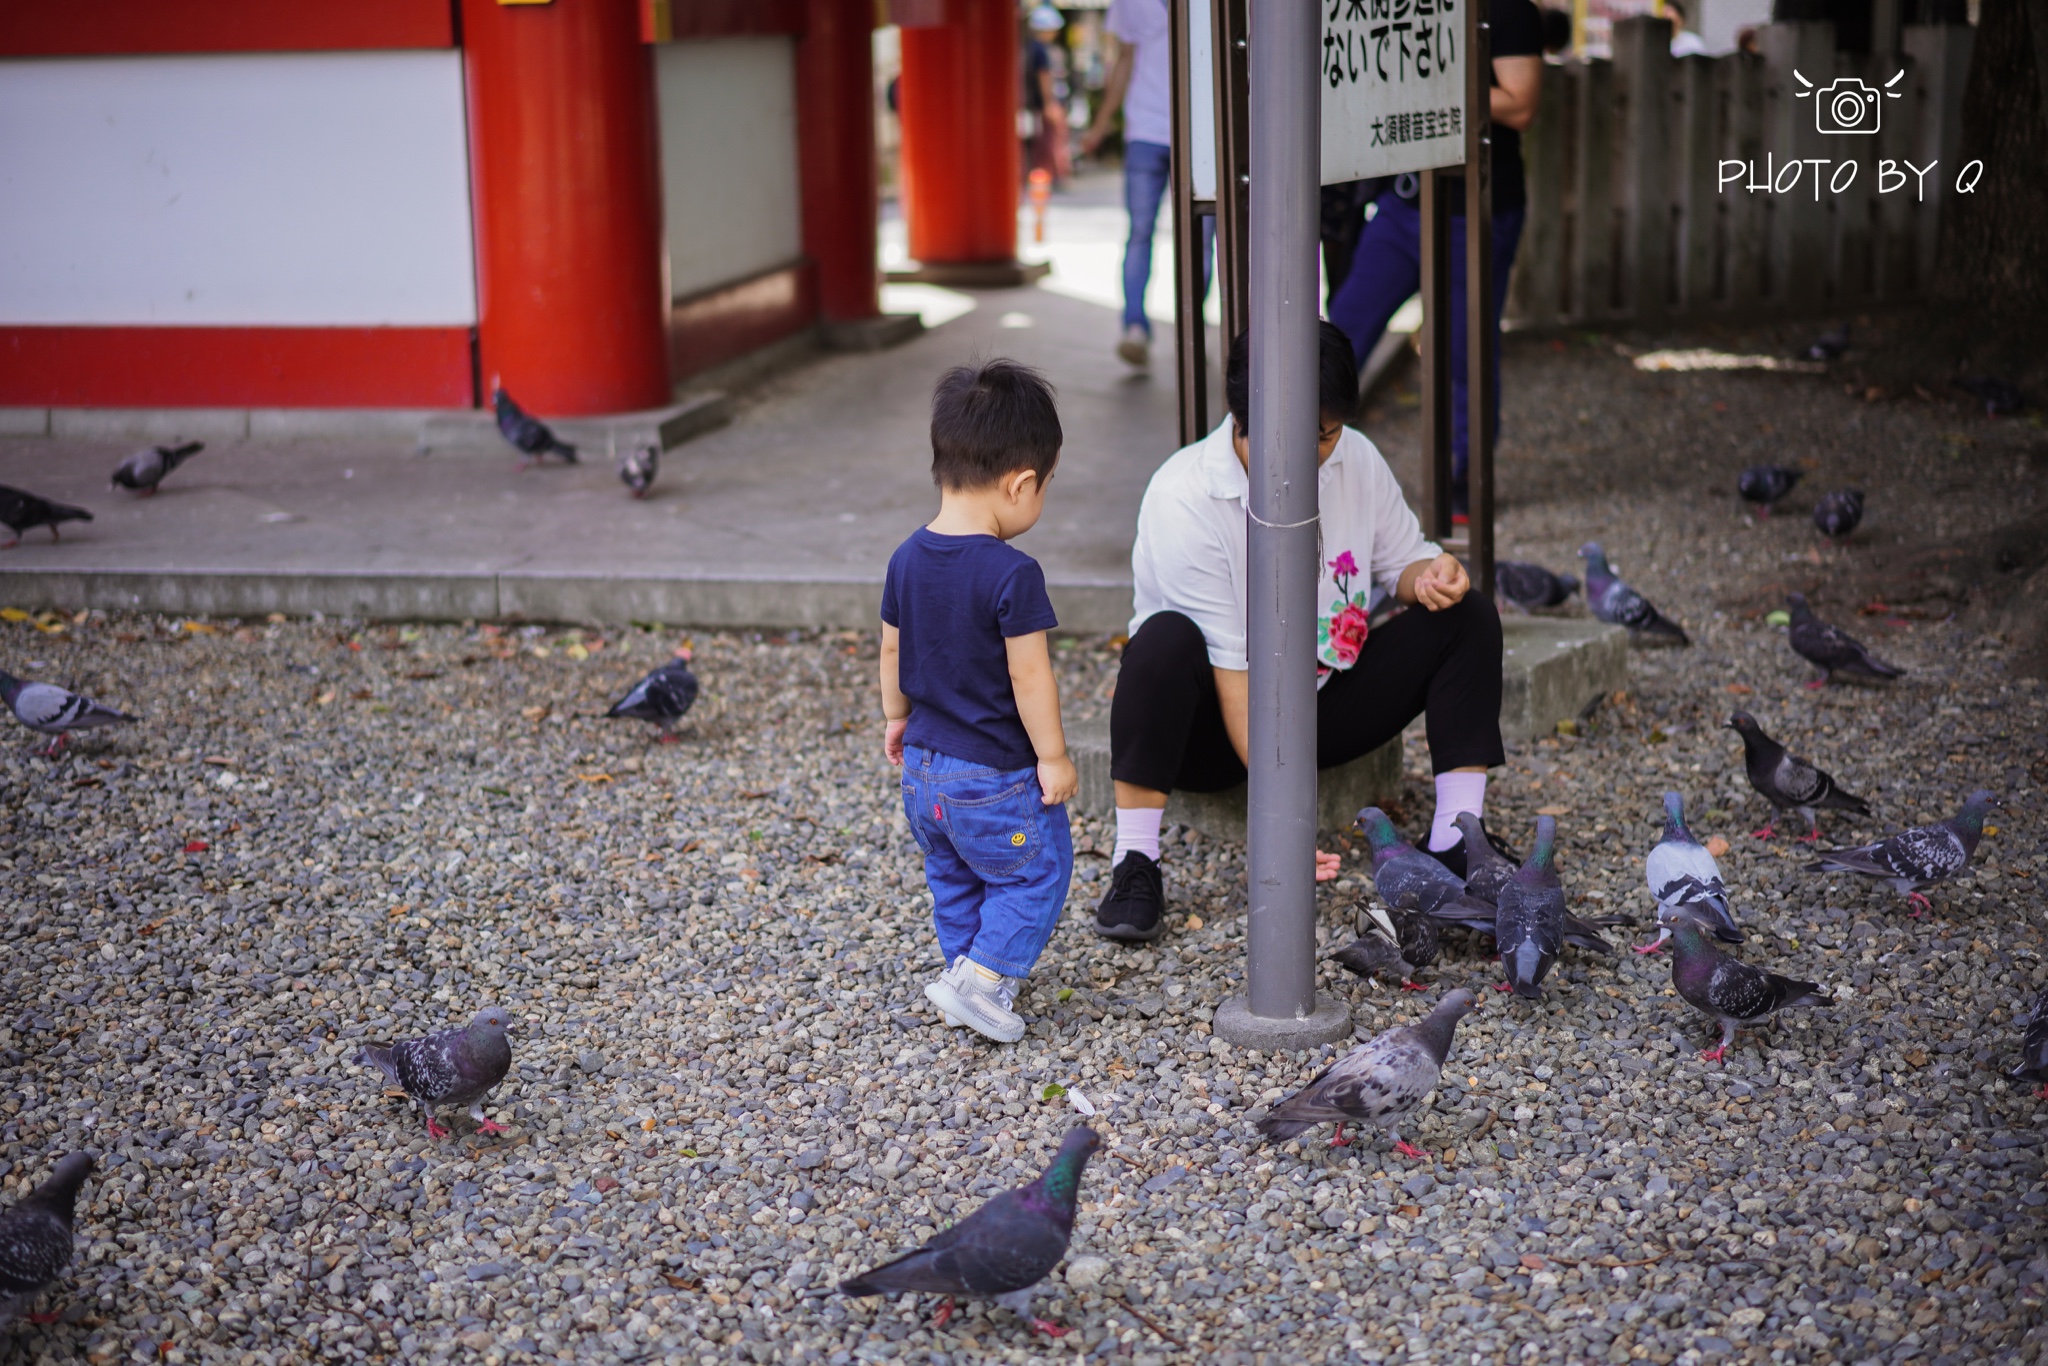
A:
(1166, 725)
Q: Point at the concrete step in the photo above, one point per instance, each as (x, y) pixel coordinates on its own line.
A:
(1551, 667)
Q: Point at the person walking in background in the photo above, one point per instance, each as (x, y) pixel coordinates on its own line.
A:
(1387, 267)
(1044, 109)
(1684, 42)
(1139, 83)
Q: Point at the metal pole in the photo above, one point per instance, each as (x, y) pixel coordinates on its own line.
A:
(1281, 1009)
(1436, 357)
(1233, 152)
(1190, 332)
(1479, 341)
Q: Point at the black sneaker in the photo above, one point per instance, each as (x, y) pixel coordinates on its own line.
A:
(1452, 858)
(1131, 907)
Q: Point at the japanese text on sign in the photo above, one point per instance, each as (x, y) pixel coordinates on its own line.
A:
(1393, 86)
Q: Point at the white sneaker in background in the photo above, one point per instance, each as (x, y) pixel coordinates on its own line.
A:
(969, 994)
(1136, 347)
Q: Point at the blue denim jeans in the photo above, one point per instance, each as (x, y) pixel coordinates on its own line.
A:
(1148, 169)
(998, 860)
(1387, 269)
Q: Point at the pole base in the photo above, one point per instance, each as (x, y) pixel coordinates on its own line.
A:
(1235, 1024)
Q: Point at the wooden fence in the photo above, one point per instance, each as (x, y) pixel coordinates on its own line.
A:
(1633, 215)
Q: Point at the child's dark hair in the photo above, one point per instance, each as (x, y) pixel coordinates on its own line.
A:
(991, 420)
(1336, 377)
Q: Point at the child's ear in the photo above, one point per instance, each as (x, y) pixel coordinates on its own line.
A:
(1021, 483)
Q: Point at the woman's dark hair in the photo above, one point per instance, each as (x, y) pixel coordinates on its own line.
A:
(991, 420)
(1557, 29)
(1336, 377)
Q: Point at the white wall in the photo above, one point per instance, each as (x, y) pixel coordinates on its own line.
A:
(1720, 20)
(284, 189)
(728, 158)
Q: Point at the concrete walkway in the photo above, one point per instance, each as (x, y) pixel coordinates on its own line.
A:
(784, 517)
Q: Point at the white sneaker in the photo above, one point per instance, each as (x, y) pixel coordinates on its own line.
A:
(968, 994)
(1136, 347)
(1006, 993)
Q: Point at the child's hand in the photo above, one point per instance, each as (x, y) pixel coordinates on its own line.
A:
(892, 741)
(1058, 780)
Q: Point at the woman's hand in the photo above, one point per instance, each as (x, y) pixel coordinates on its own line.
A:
(1435, 584)
(1327, 866)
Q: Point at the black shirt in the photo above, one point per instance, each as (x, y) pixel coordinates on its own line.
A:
(1517, 32)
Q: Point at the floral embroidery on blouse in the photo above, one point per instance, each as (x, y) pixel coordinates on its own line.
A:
(1341, 625)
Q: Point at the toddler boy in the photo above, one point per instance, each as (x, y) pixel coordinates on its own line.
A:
(973, 711)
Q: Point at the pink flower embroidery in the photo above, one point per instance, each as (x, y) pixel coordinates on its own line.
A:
(1344, 566)
(1347, 635)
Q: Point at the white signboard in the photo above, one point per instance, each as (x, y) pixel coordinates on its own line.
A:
(1201, 88)
(1393, 86)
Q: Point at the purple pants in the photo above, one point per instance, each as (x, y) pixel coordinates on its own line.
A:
(1386, 272)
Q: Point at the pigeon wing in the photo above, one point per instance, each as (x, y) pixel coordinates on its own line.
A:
(35, 1246)
(1927, 853)
(427, 1067)
(2034, 1042)
(1000, 1248)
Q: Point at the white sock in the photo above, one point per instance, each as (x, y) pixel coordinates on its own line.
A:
(1137, 828)
(1455, 792)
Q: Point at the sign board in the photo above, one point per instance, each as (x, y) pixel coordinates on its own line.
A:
(1393, 86)
(1201, 88)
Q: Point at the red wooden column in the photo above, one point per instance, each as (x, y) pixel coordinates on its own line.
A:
(835, 127)
(958, 100)
(565, 173)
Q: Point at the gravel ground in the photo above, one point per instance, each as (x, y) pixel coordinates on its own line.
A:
(729, 1092)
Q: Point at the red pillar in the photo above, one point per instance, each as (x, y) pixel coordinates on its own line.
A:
(961, 160)
(565, 175)
(835, 125)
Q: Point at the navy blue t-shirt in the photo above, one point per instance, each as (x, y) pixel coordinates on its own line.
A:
(954, 600)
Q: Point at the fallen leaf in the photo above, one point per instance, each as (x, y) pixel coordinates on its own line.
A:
(397, 911)
(1531, 1262)
(1411, 1211)
(218, 760)
(756, 796)
(12, 614)
(419, 674)
(647, 1125)
(535, 714)
(1553, 811)
(324, 698)
(1742, 689)
(577, 652)
(682, 1282)
(830, 856)
(1063, 995)
(363, 694)
(196, 846)
(595, 777)
(1717, 846)
(606, 1183)
(611, 1133)
(1052, 1091)
(199, 628)
(1195, 922)
(85, 782)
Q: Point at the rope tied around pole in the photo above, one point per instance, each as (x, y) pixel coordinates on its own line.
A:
(1281, 526)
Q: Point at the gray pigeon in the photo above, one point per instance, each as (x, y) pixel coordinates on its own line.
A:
(2001, 397)
(1529, 925)
(1002, 1250)
(1733, 992)
(451, 1069)
(637, 468)
(1616, 603)
(1408, 879)
(1400, 945)
(36, 1239)
(662, 697)
(532, 436)
(22, 511)
(1829, 345)
(1788, 782)
(1765, 485)
(145, 469)
(1683, 875)
(1832, 648)
(50, 710)
(1531, 586)
(1377, 1082)
(2034, 1047)
(1487, 869)
(1838, 513)
(1917, 858)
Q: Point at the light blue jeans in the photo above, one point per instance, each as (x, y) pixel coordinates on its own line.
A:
(997, 859)
(1148, 170)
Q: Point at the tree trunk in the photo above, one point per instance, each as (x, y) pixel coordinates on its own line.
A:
(1993, 258)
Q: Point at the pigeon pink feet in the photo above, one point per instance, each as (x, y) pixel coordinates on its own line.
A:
(1049, 1328)
(668, 738)
(1654, 946)
(435, 1130)
(1767, 833)
(2042, 1094)
(1503, 986)
(1813, 684)
(1413, 986)
(1922, 902)
(945, 1312)
(490, 1126)
(1811, 837)
(1714, 1054)
(44, 1319)
(1340, 1141)
(1407, 1149)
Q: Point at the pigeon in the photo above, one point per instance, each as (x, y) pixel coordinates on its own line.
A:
(1487, 869)
(1838, 513)
(145, 469)
(450, 1069)
(1529, 925)
(1828, 345)
(2001, 397)
(35, 1238)
(1002, 1250)
(1765, 485)
(662, 697)
(1731, 991)
(529, 434)
(1916, 858)
(637, 468)
(22, 511)
(50, 710)
(1401, 947)
(1682, 874)
(1788, 782)
(1832, 648)
(1377, 1082)
(1408, 879)
(2034, 1047)
(1616, 603)
(1531, 585)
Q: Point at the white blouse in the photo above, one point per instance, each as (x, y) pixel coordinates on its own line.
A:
(1190, 553)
